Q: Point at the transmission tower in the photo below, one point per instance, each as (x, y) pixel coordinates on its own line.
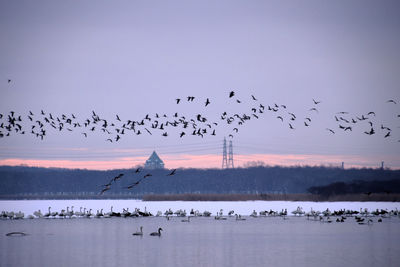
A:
(224, 158)
(230, 157)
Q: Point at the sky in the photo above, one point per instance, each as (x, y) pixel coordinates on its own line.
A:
(134, 58)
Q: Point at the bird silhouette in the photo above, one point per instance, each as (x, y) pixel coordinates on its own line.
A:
(332, 131)
(391, 101)
(134, 184)
(316, 102)
(207, 102)
(371, 132)
(118, 177)
(231, 94)
(172, 172)
(104, 190)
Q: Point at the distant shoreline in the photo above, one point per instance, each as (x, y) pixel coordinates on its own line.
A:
(378, 197)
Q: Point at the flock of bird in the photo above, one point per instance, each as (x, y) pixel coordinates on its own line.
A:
(40, 122)
(107, 186)
(12, 123)
(363, 216)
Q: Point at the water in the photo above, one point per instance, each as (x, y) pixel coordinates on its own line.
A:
(269, 241)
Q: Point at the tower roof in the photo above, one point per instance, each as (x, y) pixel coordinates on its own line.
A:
(154, 157)
(154, 162)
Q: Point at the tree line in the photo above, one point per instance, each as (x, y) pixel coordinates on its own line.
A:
(22, 180)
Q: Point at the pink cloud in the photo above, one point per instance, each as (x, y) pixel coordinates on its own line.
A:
(211, 161)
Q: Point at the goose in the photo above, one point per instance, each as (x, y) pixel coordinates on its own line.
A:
(157, 233)
(54, 214)
(48, 214)
(89, 213)
(126, 212)
(62, 214)
(99, 214)
(139, 232)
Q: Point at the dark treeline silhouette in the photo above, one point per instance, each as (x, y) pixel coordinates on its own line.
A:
(357, 187)
(45, 182)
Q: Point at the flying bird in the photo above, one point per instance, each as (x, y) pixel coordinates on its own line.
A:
(255, 99)
(371, 132)
(178, 100)
(231, 94)
(172, 173)
(332, 131)
(118, 177)
(104, 190)
(316, 102)
(391, 101)
(134, 184)
(207, 102)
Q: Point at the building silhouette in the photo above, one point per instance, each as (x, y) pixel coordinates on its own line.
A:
(154, 162)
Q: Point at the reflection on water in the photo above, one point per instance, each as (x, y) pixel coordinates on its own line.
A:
(201, 242)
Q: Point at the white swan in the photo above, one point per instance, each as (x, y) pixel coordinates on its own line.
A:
(140, 232)
(38, 214)
(19, 215)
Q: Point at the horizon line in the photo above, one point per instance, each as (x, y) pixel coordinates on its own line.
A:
(212, 161)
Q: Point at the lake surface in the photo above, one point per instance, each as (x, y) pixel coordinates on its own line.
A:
(204, 241)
